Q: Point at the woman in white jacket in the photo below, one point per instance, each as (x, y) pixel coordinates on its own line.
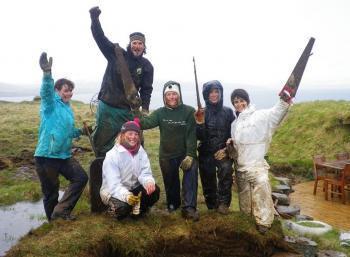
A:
(251, 133)
(128, 186)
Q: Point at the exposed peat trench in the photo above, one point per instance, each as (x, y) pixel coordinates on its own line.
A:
(208, 241)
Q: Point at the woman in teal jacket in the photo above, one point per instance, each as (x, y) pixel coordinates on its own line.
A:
(53, 152)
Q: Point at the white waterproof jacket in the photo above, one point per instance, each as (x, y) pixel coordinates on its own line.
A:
(122, 172)
(252, 132)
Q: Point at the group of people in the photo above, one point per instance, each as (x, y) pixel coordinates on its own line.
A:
(225, 136)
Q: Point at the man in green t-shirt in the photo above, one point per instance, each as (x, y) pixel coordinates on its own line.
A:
(177, 149)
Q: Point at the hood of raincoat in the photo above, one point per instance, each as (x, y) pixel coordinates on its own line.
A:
(207, 87)
(167, 84)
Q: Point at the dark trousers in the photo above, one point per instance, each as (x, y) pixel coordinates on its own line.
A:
(171, 179)
(48, 170)
(123, 209)
(109, 121)
(216, 178)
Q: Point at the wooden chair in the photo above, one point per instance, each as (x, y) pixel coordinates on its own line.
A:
(339, 185)
(319, 172)
(342, 156)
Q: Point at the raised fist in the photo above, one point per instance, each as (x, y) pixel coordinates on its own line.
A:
(45, 64)
(95, 12)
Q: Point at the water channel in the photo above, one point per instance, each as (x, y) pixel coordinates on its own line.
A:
(17, 220)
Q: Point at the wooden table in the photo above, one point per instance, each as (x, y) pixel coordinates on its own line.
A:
(340, 178)
(336, 165)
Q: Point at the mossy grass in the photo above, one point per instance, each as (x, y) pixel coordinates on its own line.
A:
(94, 235)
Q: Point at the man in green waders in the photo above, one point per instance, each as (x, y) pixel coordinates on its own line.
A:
(113, 107)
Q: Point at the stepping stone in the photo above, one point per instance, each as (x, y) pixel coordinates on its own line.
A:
(302, 245)
(288, 211)
(284, 181)
(282, 189)
(303, 217)
(282, 198)
(344, 238)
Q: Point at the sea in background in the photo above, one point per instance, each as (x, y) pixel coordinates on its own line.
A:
(261, 98)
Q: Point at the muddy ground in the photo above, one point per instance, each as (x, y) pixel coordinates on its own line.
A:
(23, 164)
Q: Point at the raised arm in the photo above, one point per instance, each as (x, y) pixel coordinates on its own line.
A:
(47, 92)
(106, 46)
(277, 113)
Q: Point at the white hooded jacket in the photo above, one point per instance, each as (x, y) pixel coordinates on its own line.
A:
(252, 132)
(122, 172)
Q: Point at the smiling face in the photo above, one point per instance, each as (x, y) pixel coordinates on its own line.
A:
(131, 137)
(137, 47)
(214, 96)
(240, 104)
(65, 93)
(171, 99)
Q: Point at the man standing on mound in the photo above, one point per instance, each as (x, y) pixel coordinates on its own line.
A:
(113, 107)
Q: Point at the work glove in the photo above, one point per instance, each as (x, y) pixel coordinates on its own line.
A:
(186, 163)
(133, 199)
(140, 113)
(231, 150)
(95, 12)
(220, 154)
(112, 202)
(45, 64)
(144, 112)
(199, 116)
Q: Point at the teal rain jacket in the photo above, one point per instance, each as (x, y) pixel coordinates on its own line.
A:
(57, 124)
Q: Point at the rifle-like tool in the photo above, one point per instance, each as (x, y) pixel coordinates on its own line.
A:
(290, 88)
(131, 93)
(197, 90)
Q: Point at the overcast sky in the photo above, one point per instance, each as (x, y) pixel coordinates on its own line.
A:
(244, 42)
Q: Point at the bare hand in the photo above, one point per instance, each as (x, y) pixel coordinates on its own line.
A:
(150, 187)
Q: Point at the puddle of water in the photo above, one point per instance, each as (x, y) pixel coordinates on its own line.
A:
(17, 220)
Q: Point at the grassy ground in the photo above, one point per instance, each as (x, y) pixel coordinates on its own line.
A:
(310, 129)
(310, 124)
